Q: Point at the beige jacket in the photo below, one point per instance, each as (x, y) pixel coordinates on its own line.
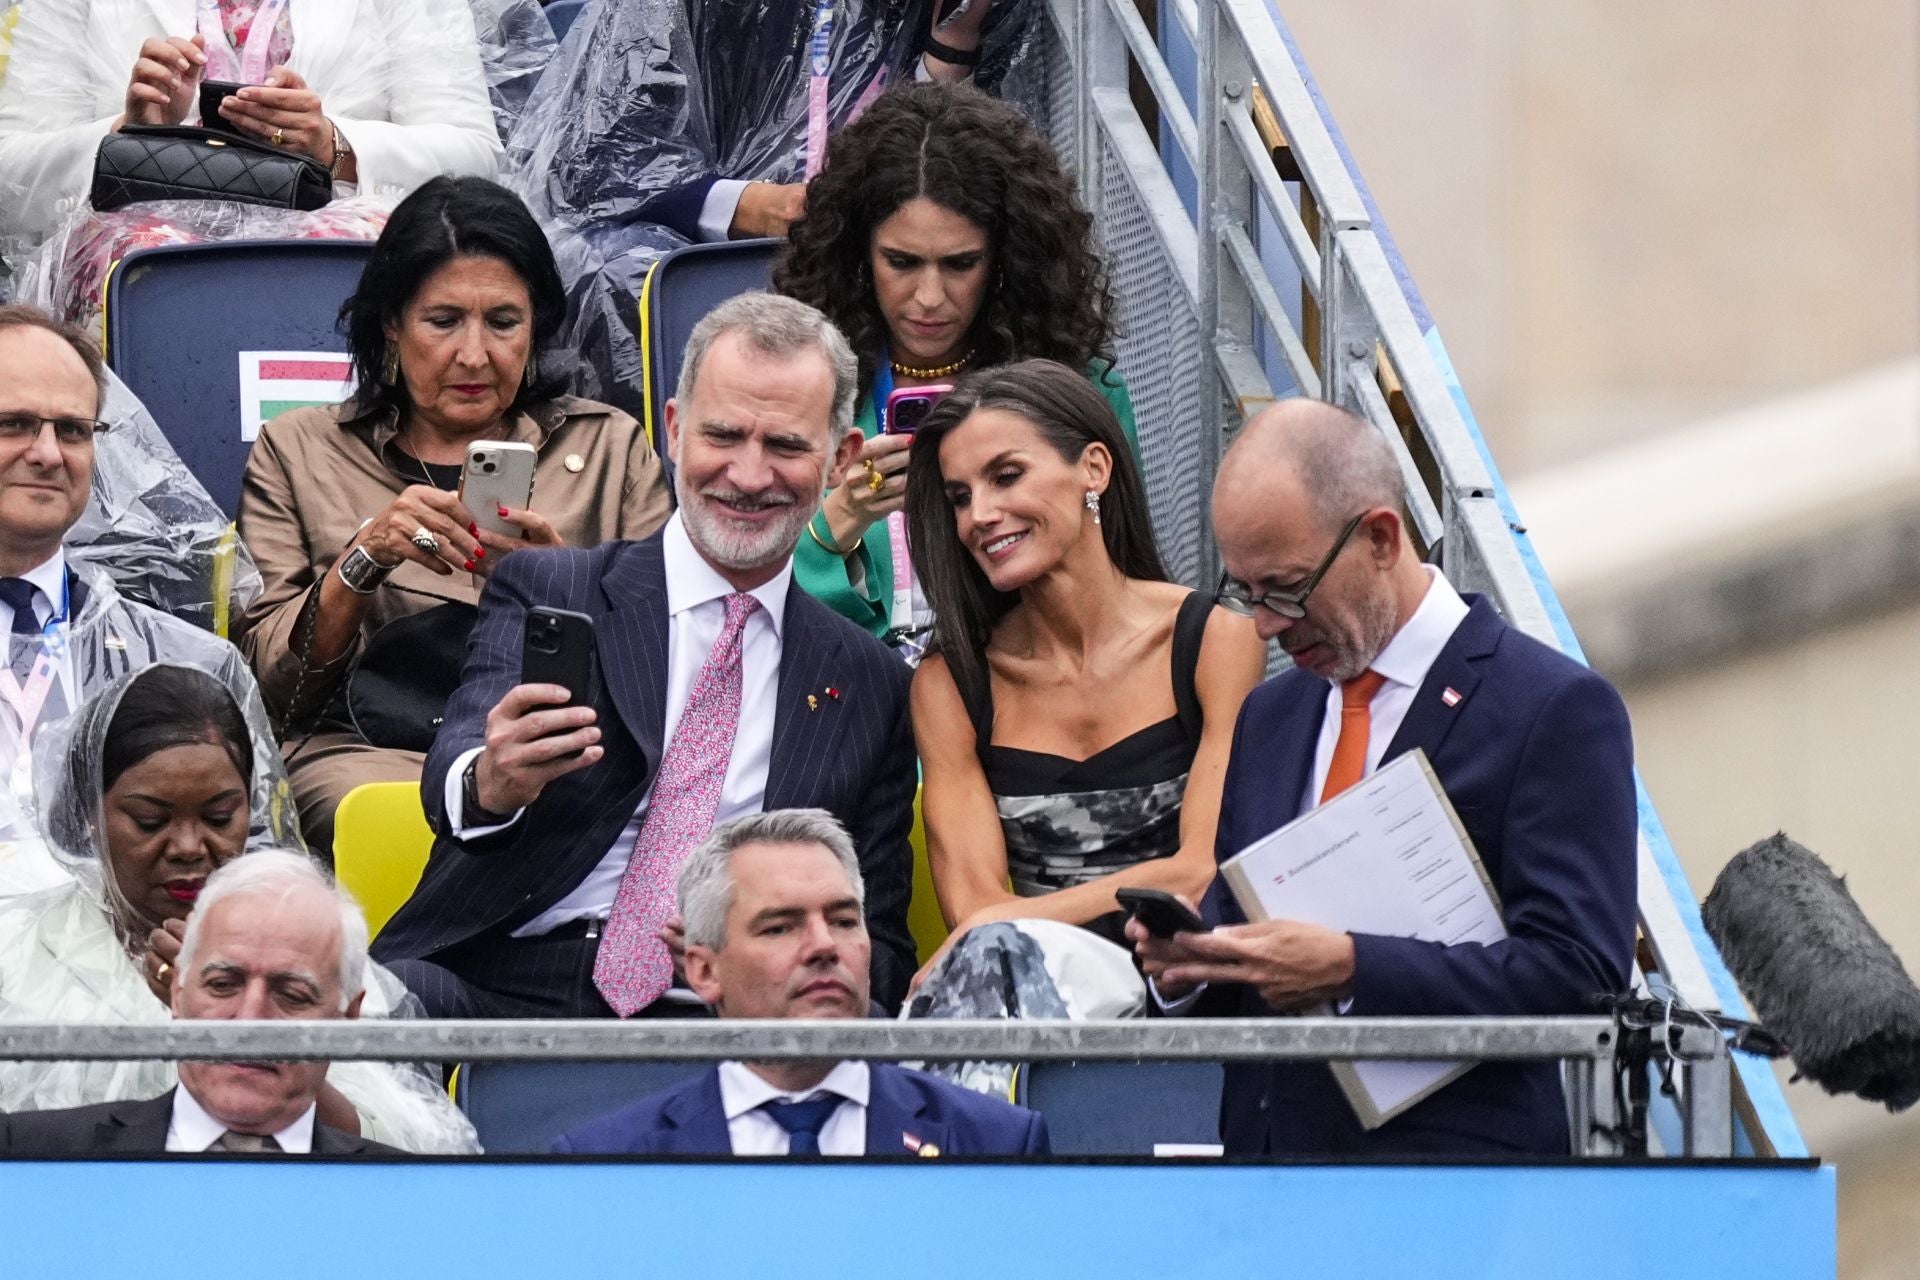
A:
(313, 478)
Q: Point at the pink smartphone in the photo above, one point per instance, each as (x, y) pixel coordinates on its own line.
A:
(908, 407)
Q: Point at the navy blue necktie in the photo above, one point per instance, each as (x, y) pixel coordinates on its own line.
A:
(18, 593)
(803, 1122)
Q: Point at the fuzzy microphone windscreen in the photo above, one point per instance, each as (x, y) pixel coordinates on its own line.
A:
(1817, 974)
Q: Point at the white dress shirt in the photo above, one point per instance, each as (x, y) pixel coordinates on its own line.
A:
(1405, 662)
(50, 579)
(696, 613)
(192, 1129)
(755, 1133)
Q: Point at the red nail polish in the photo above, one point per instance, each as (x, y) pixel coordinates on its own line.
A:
(480, 554)
(503, 513)
(469, 566)
(473, 528)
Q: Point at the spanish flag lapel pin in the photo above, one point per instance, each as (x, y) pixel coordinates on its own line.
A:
(925, 1150)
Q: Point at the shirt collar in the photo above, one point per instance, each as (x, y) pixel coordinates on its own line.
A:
(198, 1131)
(1416, 646)
(691, 581)
(50, 576)
(743, 1090)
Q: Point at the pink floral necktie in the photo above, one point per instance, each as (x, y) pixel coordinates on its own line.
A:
(632, 967)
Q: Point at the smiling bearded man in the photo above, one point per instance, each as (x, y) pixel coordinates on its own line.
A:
(563, 815)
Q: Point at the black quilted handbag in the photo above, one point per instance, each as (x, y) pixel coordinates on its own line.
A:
(186, 162)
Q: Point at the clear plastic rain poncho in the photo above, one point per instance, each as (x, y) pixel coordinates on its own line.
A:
(154, 529)
(72, 954)
(417, 87)
(650, 96)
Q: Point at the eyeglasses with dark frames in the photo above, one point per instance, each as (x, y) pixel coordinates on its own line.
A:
(1236, 596)
(21, 428)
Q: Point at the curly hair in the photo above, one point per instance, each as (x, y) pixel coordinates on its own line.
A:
(985, 161)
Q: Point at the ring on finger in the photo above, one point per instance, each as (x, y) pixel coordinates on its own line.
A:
(423, 538)
(279, 136)
(160, 974)
(875, 479)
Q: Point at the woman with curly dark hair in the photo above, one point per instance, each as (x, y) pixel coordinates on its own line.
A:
(942, 235)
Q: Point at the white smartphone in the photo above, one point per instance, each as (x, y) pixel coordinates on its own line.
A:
(497, 474)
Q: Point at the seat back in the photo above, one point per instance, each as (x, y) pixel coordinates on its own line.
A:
(519, 1108)
(562, 14)
(924, 921)
(1165, 1102)
(380, 845)
(679, 291)
(178, 318)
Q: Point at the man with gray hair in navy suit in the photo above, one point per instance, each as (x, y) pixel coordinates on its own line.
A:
(775, 929)
(719, 690)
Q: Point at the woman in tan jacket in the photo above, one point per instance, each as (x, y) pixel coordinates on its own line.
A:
(354, 513)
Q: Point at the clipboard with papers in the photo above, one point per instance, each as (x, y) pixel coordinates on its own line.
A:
(1388, 856)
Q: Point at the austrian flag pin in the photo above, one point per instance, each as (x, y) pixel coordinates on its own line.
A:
(1451, 696)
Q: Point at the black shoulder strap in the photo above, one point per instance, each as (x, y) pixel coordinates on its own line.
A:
(1189, 628)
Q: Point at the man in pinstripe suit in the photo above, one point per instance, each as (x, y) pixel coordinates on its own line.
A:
(550, 887)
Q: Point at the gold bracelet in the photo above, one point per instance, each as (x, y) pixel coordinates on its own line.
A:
(829, 547)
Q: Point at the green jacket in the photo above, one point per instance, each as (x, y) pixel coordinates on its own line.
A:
(828, 578)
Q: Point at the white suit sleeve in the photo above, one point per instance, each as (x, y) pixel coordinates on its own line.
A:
(51, 116)
(438, 118)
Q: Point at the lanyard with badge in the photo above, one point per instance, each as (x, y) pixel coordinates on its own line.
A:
(901, 623)
(819, 80)
(253, 62)
(30, 699)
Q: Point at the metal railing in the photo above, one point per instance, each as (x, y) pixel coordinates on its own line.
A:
(1586, 1046)
(1358, 343)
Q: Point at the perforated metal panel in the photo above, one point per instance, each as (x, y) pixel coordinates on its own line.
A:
(1062, 122)
(1160, 355)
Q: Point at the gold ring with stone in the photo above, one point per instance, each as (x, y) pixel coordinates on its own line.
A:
(279, 136)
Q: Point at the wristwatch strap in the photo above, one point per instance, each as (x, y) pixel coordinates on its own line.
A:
(947, 53)
(471, 813)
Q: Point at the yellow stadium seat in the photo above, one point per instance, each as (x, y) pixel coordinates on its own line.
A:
(380, 844)
(924, 921)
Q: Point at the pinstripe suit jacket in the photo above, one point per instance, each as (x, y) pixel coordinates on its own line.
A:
(854, 755)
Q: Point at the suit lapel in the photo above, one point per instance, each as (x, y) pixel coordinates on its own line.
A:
(138, 1127)
(633, 645)
(895, 1113)
(698, 1119)
(1443, 695)
(1294, 741)
(812, 662)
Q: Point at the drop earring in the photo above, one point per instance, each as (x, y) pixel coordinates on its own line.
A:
(1093, 505)
(390, 366)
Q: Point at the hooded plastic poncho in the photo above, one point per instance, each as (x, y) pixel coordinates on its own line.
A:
(71, 954)
(648, 98)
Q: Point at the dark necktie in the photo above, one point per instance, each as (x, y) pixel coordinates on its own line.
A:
(252, 1144)
(18, 594)
(803, 1121)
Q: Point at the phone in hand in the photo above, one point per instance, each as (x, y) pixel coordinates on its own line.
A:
(908, 407)
(212, 94)
(559, 649)
(1163, 914)
(497, 474)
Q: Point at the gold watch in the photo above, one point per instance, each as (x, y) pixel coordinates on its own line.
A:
(342, 152)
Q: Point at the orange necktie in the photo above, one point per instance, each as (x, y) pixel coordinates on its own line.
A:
(1356, 726)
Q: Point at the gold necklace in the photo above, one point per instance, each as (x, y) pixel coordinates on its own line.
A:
(932, 371)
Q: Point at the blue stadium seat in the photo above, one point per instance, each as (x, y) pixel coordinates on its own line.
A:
(178, 316)
(519, 1108)
(562, 13)
(1123, 1108)
(680, 289)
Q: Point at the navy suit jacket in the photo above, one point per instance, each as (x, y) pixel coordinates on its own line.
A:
(1537, 757)
(689, 1120)
(852, 754)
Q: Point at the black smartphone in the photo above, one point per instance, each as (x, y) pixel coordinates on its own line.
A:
(1162, 913)
(559, 649)
(212, 94)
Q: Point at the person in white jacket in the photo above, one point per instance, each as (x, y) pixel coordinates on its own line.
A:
(385, 93)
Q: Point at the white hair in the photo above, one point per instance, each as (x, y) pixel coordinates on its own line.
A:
(775, 325)
(281, 873)
(706, 878)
